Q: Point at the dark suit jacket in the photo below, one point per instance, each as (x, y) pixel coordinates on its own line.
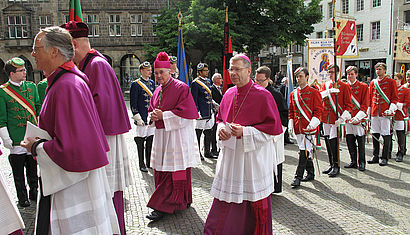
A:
(280, 102)
(216, 94)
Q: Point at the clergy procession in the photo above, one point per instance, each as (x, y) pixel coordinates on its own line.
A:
(67, 137)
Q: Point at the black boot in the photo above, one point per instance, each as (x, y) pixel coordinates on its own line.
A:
(329, 155)
(156, 215)
(310, 170)
(386, 149)
(301, 165)
(401, 139)
(140, 147)
(351, 146)
(376, 149)
(362, 153)
(214, 147)
(17, 162)
(335, 154)
(287, 139)
(207, 143)
(32, 178)
(148, 147)
(198, 137)
(278, 179)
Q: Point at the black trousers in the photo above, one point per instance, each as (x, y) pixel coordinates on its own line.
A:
(17, 163)
(43, 217)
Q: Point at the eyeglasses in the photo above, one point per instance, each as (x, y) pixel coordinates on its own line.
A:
(21, 70)
(260, 81)
(235, 70)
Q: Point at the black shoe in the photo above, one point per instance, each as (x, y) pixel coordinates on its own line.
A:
(155, 215)
(374, 160)
(383, 162)
(295, 182)
(210, 155)
(308, 177)
(202, 158)
(143, 169)
(327, 171)
(188, 205)
(334, 172)
(33, 195)
(362, 166)
(288, 141)
(215, 153)
(351, 165)
(24, 203)
(399, 157)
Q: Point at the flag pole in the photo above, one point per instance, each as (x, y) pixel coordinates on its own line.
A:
(336, 74)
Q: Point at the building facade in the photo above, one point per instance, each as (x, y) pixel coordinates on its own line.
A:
(118, 29)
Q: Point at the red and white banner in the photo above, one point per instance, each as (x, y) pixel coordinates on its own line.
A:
(346, 39)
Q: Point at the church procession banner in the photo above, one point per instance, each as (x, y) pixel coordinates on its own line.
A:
(320, 56)
(346, 42)
(402, 46)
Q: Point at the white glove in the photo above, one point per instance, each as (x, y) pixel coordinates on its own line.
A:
(291, 129)
(313, 123)
(400, 106)
(334, 90)
(138, 119)
(4, 134)
(324, 93)
(391, 109)
(339, 121)
(358, 117)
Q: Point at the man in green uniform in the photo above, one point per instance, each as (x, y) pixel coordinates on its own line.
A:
(19, 103)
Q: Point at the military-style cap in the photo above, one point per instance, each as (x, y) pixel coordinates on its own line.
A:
(17, 62)
(408, 71)
(76, 29)
(331, 66)
(173, 59)
(201, 66)
(380, 64)
(145, 65)
(350, 68)
(298, 70)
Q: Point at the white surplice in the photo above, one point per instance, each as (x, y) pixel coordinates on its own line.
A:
(81, 202)
(118, 170)
(10, 219)
(245, 167)
(175, 147)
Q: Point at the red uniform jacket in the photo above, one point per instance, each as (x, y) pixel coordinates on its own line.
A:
(344, 101)
(404, 97)
(378, 104)
(360, 91)
(310, 102)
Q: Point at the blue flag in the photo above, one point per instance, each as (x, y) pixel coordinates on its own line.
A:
(289, 75)
(181, 62)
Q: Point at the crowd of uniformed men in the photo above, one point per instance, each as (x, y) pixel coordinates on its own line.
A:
(169, 114)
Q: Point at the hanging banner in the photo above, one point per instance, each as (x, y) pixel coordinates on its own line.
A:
(321, 55)
(346, 42)
(402, 46)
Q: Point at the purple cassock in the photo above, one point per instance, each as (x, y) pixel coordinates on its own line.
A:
(70, 117)
(250, 105)
(106, 93)
(173, 190)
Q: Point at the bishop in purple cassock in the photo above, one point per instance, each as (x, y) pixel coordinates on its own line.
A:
(75, 195)
(248, 120)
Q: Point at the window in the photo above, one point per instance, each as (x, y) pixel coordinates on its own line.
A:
(377, 3)
(298, 49)
(345, 6)
(359, 5)
(45, 21)
(115, 26)
(407, 17)
(284, 50)
(136, 24)
(375, 30)
(330, 7)
(17, 0)
(359, 32)
(17, 26)
(319, 35)
(66, 18)
(330, 32)
(93, 25)
(321, 10)
(154, 23)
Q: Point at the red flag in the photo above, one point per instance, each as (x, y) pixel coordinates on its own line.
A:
(227, 56)
(75, 11)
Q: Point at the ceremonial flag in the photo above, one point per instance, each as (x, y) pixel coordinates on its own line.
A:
(75, 11)
(346, 39)
(227, 56)
(181, 60)
(289, 74)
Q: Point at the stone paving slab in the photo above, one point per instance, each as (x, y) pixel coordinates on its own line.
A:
(376, 201)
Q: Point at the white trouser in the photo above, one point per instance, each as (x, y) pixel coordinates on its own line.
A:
(380, 125)
(330, 130)
(356, 130)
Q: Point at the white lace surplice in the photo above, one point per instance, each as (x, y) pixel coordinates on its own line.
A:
(81, 202)
(245, 168)
(175, 147)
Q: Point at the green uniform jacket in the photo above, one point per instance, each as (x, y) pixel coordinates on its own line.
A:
(13, 115)
(41, 88)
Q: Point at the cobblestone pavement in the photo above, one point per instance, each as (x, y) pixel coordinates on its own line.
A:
(376, 201)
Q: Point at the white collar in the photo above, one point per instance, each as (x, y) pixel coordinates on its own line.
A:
(15, 83)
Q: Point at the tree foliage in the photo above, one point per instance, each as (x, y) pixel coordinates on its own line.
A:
(253, 25)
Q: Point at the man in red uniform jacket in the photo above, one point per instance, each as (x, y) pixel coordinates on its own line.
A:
(383, 98)
(354, 128)
(329, 117)
(304, 119)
